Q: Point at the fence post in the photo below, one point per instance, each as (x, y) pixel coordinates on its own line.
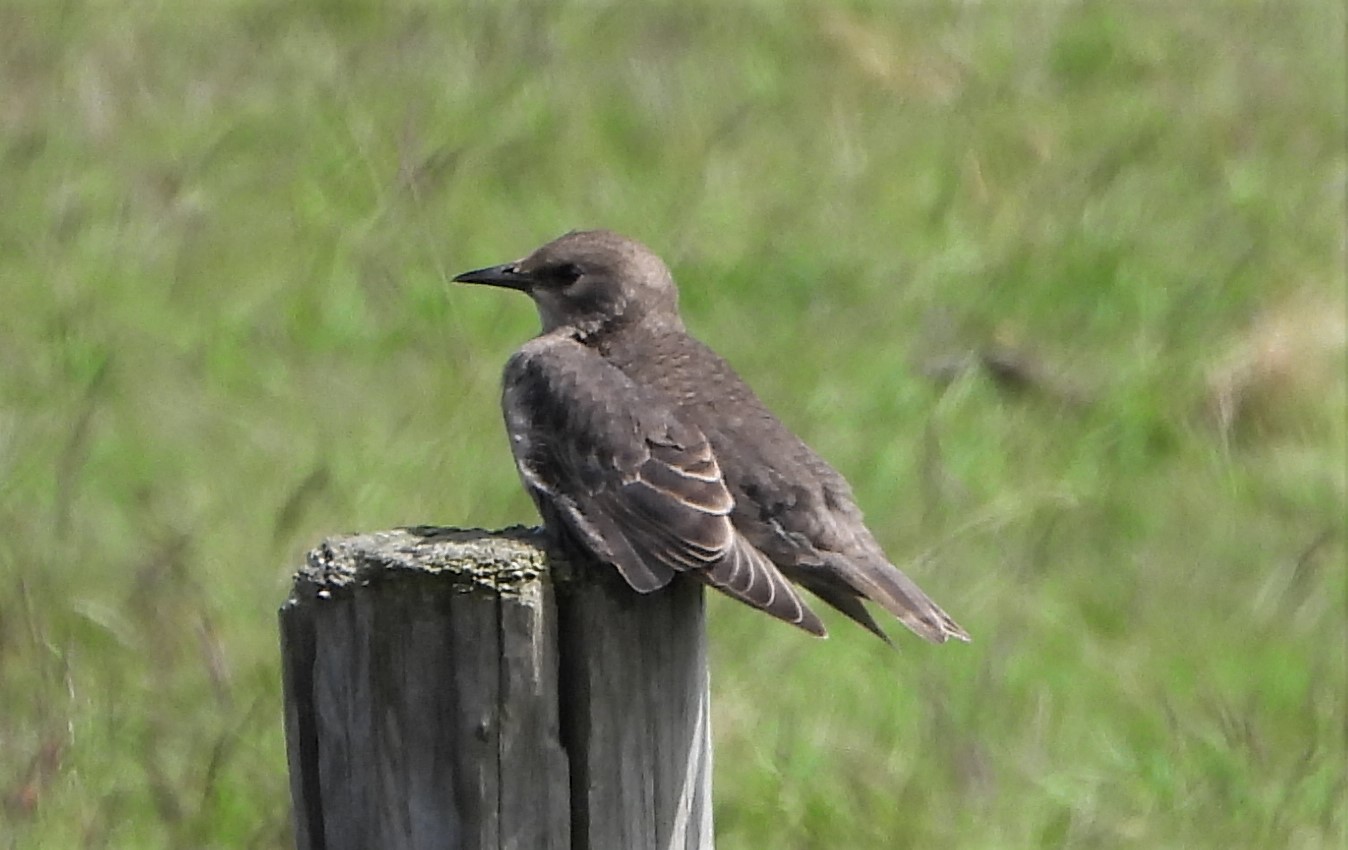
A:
(451, 688)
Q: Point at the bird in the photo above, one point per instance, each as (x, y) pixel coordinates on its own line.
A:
(644, 450)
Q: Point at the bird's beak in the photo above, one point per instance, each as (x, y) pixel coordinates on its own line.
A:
(507, 275)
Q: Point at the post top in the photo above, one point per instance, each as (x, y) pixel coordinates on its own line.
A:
(501, 561)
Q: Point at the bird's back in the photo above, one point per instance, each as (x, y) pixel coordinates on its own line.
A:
(780, 483)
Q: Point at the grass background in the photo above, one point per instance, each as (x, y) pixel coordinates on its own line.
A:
(225, 235)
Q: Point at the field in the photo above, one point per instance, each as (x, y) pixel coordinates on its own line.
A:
(1059, 286)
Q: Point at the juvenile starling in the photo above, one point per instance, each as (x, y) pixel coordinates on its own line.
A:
(643, 449)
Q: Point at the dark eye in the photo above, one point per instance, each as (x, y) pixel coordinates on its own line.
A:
(565, 274)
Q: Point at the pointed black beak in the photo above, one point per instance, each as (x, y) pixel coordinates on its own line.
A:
(507, 275)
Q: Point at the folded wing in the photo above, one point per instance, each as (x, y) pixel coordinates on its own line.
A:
(630, 481)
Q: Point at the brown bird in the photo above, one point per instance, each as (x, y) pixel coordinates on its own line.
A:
(643, 449)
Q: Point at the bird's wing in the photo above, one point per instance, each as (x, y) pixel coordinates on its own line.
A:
(630, 480)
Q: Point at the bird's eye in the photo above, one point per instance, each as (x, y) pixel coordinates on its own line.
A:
(565, 274)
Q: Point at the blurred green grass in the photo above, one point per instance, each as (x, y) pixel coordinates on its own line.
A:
(226, 234)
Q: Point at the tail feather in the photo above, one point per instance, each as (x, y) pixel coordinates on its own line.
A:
(886, 585)
(842, 598)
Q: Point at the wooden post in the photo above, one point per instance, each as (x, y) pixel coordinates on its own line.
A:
(463, 689)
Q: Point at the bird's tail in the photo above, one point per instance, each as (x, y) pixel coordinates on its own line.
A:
(878, 580)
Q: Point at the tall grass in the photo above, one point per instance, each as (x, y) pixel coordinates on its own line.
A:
(1060, 286)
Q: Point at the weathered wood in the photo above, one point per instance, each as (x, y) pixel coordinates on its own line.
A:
(636, 713)
(460, 689)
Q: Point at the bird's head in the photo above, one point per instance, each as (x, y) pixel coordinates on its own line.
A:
(591, 281)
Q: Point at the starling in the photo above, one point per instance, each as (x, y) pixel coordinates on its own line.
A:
(643, 449)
